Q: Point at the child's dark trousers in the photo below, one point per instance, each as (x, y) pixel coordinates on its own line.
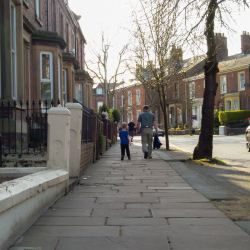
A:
(123, 147)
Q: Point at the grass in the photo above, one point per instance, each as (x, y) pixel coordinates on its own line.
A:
(215, 161)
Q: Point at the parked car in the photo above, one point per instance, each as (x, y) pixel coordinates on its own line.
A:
(160, 132)
(248, 138)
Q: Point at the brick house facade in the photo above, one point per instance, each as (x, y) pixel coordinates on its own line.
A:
(98, 96)
(45, 58)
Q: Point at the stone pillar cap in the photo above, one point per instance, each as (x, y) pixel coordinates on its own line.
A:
(59, 111)
(73, 105)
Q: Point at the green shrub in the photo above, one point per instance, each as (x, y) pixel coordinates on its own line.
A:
(117, 115)
(233, 117)
(111, 117)
(103, 108)
(216, 119)
(100, 142)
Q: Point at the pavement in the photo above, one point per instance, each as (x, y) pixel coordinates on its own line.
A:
(139, 204)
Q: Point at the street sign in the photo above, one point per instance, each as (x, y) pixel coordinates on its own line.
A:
(193, 117)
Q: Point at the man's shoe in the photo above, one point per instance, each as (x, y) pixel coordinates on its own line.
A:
(145, 155)
(129, 158)
(122, 158)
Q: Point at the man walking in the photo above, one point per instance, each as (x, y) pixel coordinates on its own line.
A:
(147, 121)
(131, 127)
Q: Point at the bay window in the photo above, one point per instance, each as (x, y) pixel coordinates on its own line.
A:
(13, 53)
(64, 87)
(46, 72)
(78, 89)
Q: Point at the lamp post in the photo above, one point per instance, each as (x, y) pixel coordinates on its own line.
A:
(105, 68)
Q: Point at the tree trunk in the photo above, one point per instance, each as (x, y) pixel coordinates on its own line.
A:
(204, 148)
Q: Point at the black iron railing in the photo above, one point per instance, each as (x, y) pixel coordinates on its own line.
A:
(86, 123)
(24, 127)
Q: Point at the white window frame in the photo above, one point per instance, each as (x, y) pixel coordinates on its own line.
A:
(228, 109)
(98, 105)
(129, 98)
(51, 73)
(241, 84)
(192, 90)
(78, 84)
(99, 91)
(38, 8)
(122, 100)
(138, 96)
(223, 84)
(138, 112)
(65, 86)
(13, 52)
(59, 78)
(234, 105)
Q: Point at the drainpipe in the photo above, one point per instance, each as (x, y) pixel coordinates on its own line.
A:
(75, 43)
(81, 56)
(47, 14)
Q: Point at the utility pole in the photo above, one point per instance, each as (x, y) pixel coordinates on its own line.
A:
(105, 67)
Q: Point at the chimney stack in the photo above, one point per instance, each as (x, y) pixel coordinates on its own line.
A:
(221, 46)
(245, 42)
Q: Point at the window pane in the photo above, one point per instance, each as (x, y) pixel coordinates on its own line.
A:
(45, 66)
(78, 89)
(46, 93)
(236, 105)
(242, 80)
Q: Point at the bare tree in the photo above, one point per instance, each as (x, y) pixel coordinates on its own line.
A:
(199, 20)
(97, 65)
(156, 34)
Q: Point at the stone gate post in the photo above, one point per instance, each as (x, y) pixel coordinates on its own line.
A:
(75, 138)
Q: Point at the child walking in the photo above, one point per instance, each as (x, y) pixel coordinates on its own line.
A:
(125, 141)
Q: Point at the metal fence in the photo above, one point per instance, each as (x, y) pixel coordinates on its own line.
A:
(86, 123)
(23, 127)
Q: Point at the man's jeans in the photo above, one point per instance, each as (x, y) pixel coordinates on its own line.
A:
(146, 140)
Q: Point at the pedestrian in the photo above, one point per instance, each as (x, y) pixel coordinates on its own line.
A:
(125, 141)
(131, 127)
(147, 121)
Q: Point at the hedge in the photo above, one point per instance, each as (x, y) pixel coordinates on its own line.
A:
(233, 117)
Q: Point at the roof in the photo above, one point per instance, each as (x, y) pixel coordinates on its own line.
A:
(127, 85)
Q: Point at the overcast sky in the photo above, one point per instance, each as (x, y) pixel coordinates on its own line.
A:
(114, 18)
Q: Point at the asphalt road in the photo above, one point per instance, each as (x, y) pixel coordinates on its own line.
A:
(231, 149)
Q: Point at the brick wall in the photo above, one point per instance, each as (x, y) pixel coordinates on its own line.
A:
(86, 155)
(104, 144)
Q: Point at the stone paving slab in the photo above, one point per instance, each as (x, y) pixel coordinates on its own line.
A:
(73, 231)
(245, 225)
(67, 212)
(200, 221)
(35, 243)
(70, 221)
(182, 230)
(136, 221)
(81, 196)
(173, 205)
(114, 243)
(171, 188)
(182, 199)
(128, 200)
(186, 213)
(121, 213)
(219, 242)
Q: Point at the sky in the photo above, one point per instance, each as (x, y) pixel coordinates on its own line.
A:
(113, 17)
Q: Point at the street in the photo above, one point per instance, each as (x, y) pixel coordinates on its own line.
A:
(231, 149)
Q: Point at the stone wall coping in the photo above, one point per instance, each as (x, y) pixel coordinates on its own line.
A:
(73, 106)
(16, 191)
(59, 110)
(16, 172)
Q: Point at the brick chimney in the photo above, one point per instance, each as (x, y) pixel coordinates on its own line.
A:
(245, 42)
(221, 46)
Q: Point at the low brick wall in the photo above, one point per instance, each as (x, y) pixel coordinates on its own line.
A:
(86, 155)
(104, 144)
